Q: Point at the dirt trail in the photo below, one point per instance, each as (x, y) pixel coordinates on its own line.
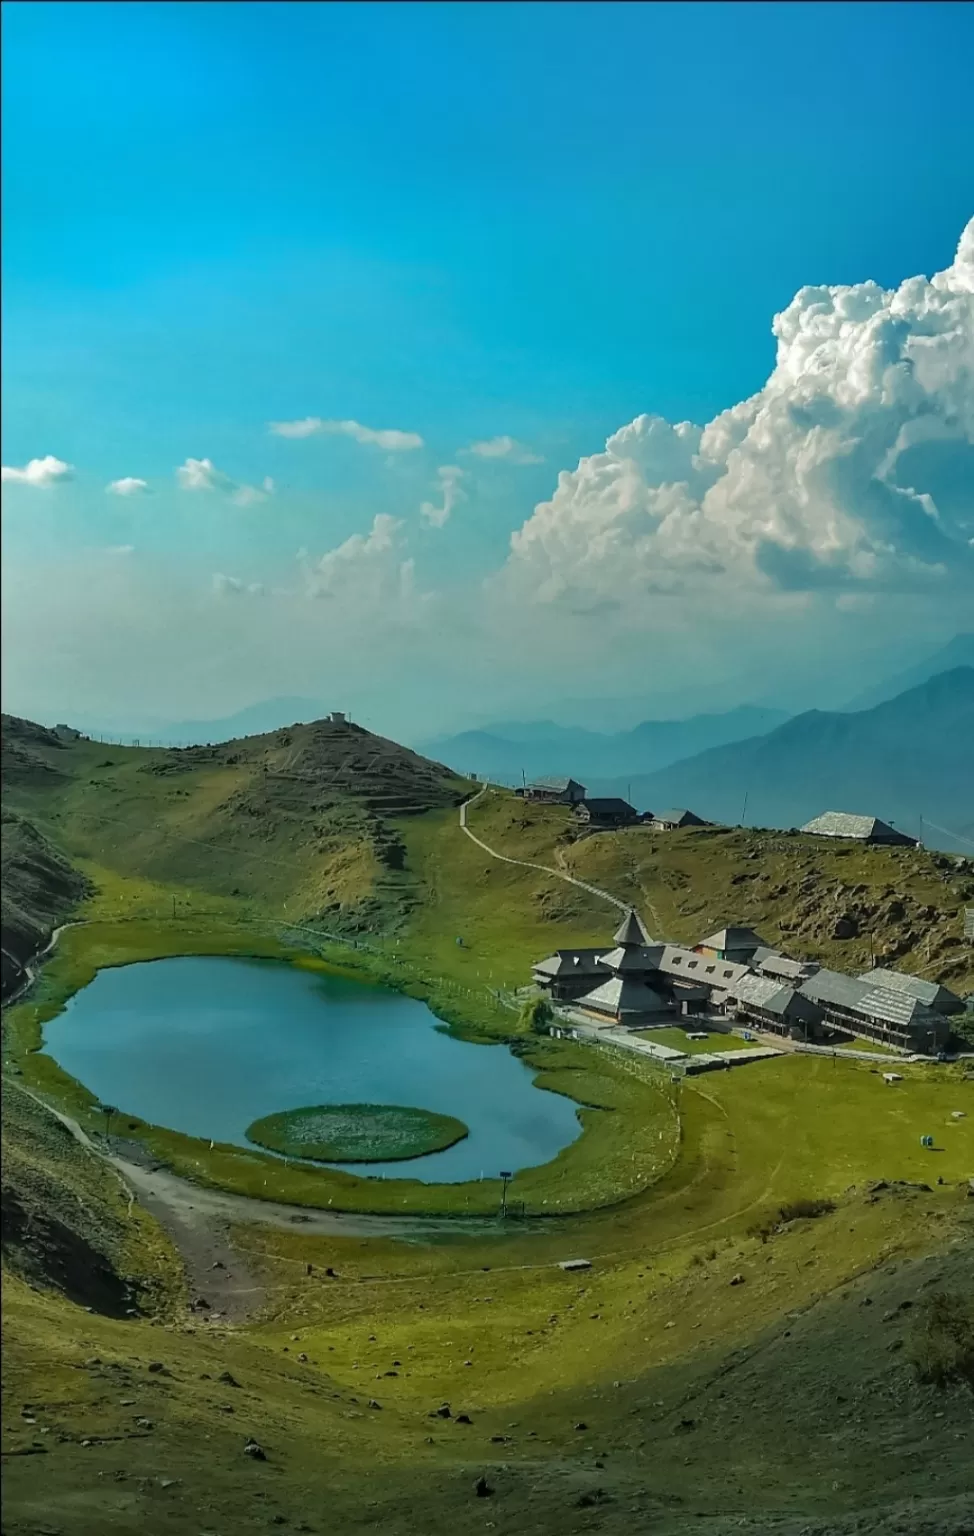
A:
(199, 1221)
(545, 869)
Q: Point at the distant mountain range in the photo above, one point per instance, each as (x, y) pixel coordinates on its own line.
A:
(909, 761)
(958, 652)
(506, 751)
(255, 720)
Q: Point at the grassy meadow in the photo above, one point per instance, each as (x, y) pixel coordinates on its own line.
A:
(723, 1360)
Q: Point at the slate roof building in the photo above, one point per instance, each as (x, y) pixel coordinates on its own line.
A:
(865, 829)
(770, 962)
(877, 1013)
(606, 813)
(737, 944)
(625, 995)
(667, 821)
(554, 790)
(931, 993)
(569, 973)
(772, 1005)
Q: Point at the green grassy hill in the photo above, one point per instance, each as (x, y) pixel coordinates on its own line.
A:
(731, 1356)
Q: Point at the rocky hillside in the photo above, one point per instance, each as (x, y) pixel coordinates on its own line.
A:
(39, 889)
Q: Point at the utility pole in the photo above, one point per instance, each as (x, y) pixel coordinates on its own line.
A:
(744, 811)
(507, 1177)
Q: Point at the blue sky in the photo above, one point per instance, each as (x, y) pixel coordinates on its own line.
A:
(463, 222)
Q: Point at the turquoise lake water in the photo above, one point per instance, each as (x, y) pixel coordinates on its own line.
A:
(206, 1046)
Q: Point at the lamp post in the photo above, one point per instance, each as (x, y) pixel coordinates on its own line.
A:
(108, 1110)
(507, 1177)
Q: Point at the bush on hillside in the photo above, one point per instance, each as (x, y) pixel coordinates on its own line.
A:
(537, 1015)
(794, 1210)
(942, 1349)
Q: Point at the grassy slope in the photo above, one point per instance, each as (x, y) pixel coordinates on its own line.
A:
(751, 1140)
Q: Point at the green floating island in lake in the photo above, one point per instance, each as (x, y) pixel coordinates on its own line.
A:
(356, 1133)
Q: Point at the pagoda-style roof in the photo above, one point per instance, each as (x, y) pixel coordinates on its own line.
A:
(632, 930)
(623, 996)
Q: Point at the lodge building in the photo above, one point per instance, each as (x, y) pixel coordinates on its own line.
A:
(640, 983)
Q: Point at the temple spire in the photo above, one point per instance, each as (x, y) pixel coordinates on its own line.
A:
(631, 931)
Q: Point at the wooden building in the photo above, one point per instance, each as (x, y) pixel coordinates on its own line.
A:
(554, 791)
(738, 945)
(864, 829)
(669, 821)
(606, 814)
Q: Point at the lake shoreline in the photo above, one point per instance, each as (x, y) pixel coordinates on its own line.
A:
(614, 1158)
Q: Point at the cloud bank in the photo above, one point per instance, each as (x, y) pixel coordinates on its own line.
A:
(39, 472)
(851, 471)
(389, 438)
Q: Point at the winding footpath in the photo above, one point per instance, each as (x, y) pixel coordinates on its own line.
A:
(559, 874)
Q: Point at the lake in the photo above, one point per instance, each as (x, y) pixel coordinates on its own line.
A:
(206, 1046)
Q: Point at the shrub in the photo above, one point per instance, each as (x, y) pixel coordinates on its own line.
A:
(537, 1015)
(942, 1348)
(800, 1210)
(795, 1210)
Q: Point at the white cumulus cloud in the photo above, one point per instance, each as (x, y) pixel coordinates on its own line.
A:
(389, 438)
(451, 491)
(851, 469)
(129, 485)
(504, 448)
(38, 472)
(367, 570)
(203, 475)
(232, 586)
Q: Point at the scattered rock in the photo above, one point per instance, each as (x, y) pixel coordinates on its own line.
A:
(302, 1357)
(227, 1379)
(218, 1264)
(144, 1423)
(482, 1488)
(254, 1451)
(737, 1280)
(156, 1366)
(581, 1425)
(463, 1418)
(442, 1413)
(373, 1404)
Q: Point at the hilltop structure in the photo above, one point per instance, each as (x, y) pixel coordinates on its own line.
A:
(553, 790)
(669, 821)
(606, 814)
(865, 829)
